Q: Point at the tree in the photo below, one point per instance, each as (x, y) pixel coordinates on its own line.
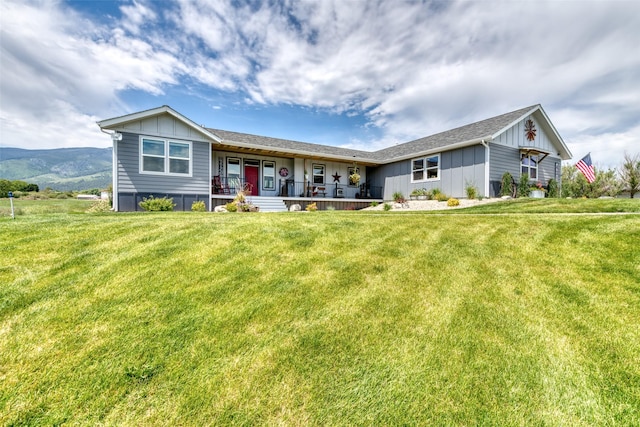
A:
(630, 174)
(574, 184)
(606, 184)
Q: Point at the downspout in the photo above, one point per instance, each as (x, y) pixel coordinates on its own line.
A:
(487, 168)
(115, 137)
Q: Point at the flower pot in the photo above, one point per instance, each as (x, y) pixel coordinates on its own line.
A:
(536, 194)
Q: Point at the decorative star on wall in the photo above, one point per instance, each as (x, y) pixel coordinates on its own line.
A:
(336, 177)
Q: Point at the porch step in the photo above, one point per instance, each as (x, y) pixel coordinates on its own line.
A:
(268, 204)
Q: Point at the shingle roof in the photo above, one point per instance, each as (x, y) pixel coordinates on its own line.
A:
(477, 131)
(287, 145)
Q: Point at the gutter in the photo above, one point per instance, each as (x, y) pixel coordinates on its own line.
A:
(487, 168)
(115, 137)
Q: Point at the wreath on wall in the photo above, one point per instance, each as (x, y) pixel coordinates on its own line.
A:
(284, 172)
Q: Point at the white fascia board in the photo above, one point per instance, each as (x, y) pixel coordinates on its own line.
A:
(437, 150)
(114, 123)
(565, 153)
(510, 125)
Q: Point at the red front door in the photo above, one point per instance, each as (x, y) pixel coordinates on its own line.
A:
(251, 177)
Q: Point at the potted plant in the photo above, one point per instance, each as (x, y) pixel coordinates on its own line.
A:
(419, 194)
(538, 191)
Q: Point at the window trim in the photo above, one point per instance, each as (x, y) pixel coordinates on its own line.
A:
(529, 167)
(426, 168)
(313, 174)
(166, 156)
(264, 175)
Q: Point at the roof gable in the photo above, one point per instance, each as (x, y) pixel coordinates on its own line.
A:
(122, 122)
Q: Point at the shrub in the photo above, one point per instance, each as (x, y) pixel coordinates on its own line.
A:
(199, 206)
(100, 206)
(523, 185)
(153, 204)
(453, 202)
(472, 191)
(506, 184)
(435, 192)
(386, 207)
(312, 207)
(553, 188)
(398, 197)
(374, 204)
(231, 207)
(441, 197)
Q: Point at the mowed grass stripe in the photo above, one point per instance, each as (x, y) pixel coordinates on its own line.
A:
(329, 318)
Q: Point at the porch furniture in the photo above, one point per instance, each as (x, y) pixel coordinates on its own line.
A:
(218, 187)
(317, 191)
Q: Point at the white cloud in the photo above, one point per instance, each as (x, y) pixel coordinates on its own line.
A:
(411, 69)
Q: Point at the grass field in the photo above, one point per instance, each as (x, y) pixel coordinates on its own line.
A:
(331, 318)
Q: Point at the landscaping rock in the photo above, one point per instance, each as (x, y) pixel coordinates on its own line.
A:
(220, 209)
(295, 208)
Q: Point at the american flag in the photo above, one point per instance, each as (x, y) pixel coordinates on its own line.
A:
(585, 166)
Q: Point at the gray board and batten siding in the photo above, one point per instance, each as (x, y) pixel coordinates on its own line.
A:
(134, 186)
(458, 168)
(507, 159)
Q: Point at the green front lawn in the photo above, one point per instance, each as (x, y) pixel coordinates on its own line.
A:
(347, 318)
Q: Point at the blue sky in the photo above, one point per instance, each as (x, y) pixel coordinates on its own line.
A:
(359, 74)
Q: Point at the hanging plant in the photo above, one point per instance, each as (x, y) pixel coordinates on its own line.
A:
(354, 176)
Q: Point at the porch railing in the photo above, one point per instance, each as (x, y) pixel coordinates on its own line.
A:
(227, 185)
(291, 188)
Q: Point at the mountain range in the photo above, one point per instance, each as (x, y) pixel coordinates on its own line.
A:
(62, 169)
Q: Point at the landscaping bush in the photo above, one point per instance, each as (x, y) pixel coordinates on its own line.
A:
(453, 202)
(441, 197)
(231, 207)
(153, 204)
(386, 207)
(523, 185)
(472, 191)
(199, 206)
(312, 207)
(553, 188)
(506, 184)
(398, 197)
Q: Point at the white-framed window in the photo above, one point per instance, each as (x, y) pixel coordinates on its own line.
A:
(268, 175)
(165, 156)
(318, 174)
(425, 168)
(529, 165)
(233, 169)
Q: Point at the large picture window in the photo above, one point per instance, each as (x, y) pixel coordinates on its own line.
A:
(529, 165)
(318, 174)
(162, 156)
(425, 168)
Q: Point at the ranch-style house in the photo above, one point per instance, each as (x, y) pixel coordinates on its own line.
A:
(162, 153)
